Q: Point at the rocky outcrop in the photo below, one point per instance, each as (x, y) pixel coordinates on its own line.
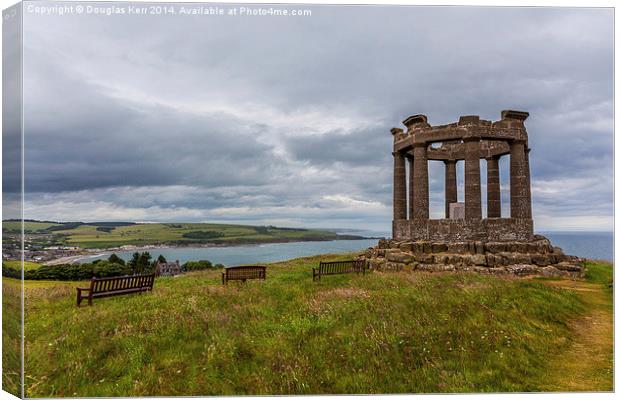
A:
(537, 256)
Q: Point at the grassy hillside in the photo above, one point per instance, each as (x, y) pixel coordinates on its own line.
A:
(11, 332)
(102, 235)
(16, 264)
(378, 333)
(29, 226)
(588, 361)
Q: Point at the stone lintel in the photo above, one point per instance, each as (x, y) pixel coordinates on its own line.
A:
(456, 152)
(469, 119)
(471, 138)
(403, 142)
(510, 127)
(514, 114)
(415, 120)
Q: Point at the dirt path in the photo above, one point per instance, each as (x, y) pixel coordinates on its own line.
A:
(587, 365)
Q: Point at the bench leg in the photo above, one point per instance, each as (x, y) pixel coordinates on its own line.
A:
(316, 275)
(90, 300)
(79, 296)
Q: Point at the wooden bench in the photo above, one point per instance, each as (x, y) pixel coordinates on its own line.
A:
(338, 267)
(116, 286)
(243, 273)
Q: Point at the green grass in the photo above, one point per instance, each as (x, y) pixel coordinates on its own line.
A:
(87, 236)
(602, 273)
(378, 333)
(29, 226)
(588, 362)
(11, 332)
(16, 264)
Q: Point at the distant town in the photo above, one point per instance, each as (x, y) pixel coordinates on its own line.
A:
(50, 242)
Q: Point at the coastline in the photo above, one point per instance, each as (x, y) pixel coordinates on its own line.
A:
(92, 253)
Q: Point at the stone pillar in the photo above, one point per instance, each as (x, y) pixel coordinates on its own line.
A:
(494, 202)
(529, 179)
(473, 202)
(411, 186)
(520, 202)
(400, 187)
(420, 182)
(451, 193)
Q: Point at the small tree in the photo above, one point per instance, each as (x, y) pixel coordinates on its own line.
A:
(133, 263)
(116, 259)
(144, 262)
(161, 259)
(140, 263)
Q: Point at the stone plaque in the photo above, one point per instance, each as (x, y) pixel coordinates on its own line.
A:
(457, 210)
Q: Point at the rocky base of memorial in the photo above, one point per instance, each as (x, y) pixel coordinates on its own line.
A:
(535, 257)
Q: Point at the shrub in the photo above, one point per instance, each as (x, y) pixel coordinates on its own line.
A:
(107, 269)
(97, 269)
(202, 235)
(69, 272)
(198, 265)
(11, 272)
(116, 259)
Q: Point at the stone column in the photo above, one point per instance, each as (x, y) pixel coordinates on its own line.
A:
(494, 202)
(451, 193)
(411, 186)
(529, 178)
(400, 187)
(520, 203)
(473, 202)
(420, 182)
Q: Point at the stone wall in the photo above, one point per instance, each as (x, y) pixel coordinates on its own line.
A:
(500, 229)
(536, 256)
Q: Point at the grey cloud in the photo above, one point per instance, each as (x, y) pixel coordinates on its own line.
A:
(273, 114)
(363, 147)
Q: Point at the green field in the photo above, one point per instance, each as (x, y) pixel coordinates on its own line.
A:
(28, 265)
(383, 332)
(102, 235)
(29, 226)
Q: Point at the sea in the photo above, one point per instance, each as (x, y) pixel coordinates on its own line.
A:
(594, 245)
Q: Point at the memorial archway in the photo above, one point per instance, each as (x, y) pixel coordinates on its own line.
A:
(469, 140)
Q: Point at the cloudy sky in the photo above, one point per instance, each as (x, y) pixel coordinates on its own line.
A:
(285, 120)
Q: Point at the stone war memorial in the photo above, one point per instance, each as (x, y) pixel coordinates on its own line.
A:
(463, 239)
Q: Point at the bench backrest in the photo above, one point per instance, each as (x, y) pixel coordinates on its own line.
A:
(341, 267)
(102, 285)
(245, 272)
